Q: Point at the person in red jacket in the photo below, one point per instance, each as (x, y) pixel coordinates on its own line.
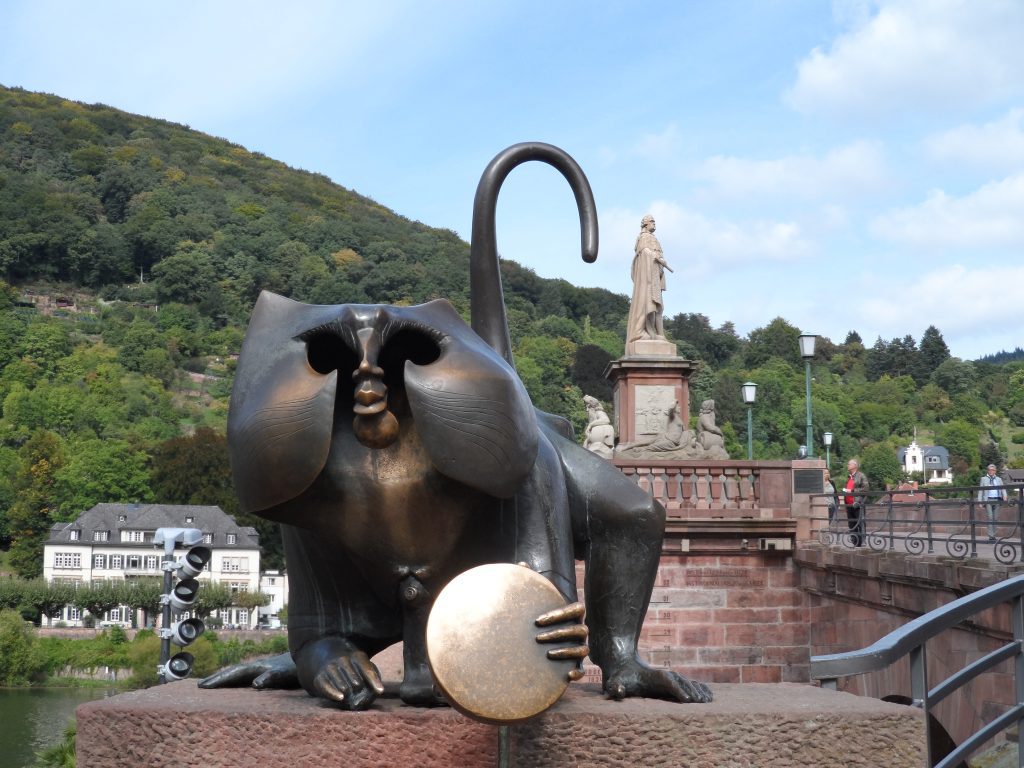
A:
(856, 486)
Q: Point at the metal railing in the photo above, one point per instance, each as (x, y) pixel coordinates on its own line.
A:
(948, 521)
(910, 640)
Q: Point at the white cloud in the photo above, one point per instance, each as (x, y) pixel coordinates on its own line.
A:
(995, 145)
(663, 146)
(916, 55)
(850, 171)
(956, 299)
(697, 245)
(989, 217)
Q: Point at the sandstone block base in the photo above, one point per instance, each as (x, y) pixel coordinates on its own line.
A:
(747, 726)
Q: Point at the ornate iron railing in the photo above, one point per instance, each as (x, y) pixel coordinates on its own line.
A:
(949, 521)
(910, 641)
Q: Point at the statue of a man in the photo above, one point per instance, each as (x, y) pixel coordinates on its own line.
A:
(648, 273)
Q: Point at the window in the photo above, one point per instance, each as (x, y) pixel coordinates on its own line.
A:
(207, 538)
(74, 614)
(99, 561)
(114, 614)
(271, 581)
(235, 564)
(238, 586)
(116, 561)
(76, 535)
(101, 535)
(232, 538)
(67, 560)
(134, 562)
(243, 615)
(132, 536)
(152, 563)
(190, 519)
(122, 518)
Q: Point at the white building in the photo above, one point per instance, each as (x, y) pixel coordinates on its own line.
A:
(115, 541)
(275, 585)
(932, 461)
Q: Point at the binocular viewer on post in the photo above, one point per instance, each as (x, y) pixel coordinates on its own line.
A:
(180, 598)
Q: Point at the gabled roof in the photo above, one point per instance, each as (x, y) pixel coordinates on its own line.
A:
(932, 456)
(148, 517)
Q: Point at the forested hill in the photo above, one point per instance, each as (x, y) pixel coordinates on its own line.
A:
(133, 250)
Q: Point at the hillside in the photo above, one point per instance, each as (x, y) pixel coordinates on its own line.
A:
(133, 250)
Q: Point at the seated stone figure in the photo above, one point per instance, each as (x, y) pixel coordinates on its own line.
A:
(600, 435)
(709, 435)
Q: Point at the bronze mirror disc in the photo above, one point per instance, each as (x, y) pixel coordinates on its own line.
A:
(482, 647)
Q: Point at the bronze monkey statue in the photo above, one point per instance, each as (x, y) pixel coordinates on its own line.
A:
(398, 448)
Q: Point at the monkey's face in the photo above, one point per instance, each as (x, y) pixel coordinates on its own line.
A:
(371, 345)
(310, 372)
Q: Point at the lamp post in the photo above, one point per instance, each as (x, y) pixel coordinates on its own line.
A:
(749, 391)
(807, 341)
(827, 437)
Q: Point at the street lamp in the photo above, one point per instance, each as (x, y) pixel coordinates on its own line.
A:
(827, 437)
(749, 391)
(807, 353)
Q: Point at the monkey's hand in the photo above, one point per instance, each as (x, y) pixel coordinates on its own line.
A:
(334, 668)
(576, 630)
(271, 672)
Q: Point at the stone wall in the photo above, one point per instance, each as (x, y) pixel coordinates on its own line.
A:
(727, 618)
(857, 597)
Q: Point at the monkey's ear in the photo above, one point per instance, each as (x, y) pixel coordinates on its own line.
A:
(279, 423)
(474, 415)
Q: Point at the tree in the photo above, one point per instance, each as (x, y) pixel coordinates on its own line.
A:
(98, 597)
(879, 463)
(34, 512)
(101, 471)
(46, 598)
(962, 441)
(185, 275)
(18, 661)
(777, 339)
(989, 453)
(934, 352)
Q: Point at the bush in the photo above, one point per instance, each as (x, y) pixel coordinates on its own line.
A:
(20, 661)
(1017, 437)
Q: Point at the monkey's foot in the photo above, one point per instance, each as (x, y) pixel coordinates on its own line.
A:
(335, 669)
(418, 689)
(635, 678)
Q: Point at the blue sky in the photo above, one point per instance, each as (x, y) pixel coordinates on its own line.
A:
(853, 165)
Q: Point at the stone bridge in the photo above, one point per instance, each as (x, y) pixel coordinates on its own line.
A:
(753, 583)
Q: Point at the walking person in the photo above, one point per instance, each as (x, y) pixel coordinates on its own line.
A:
(856, 487)
(992, 494)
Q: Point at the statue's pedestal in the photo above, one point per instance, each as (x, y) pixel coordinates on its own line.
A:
(786, 724)
(644, 389)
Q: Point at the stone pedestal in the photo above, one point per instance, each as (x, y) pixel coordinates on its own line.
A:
(644, 389)
(747, 726)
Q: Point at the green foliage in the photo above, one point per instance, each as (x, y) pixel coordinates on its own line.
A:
(19, 661)
(879, 463)
(61, 754)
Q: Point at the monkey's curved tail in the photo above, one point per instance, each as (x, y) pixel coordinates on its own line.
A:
(487, 302)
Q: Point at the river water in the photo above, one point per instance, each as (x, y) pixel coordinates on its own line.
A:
(32, 719)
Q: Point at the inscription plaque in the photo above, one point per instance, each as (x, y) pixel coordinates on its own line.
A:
(653, 404)
(725, 577)
(808, 481)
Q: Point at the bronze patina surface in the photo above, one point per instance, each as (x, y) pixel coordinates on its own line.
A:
(398, 448)
(482, 647)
